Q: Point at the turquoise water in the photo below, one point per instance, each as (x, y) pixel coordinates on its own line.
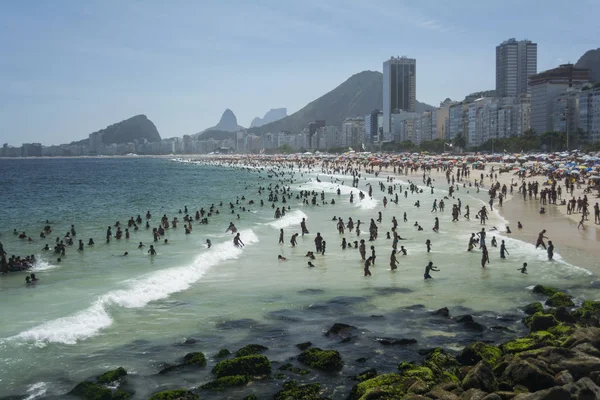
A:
(97, 310)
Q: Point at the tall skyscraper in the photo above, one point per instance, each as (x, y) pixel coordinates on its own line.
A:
(515, 62)
(399, 87)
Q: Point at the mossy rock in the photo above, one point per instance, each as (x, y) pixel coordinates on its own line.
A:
(251, 349)
(561, 330)
(420, 372)
(111, 376)
(250, 397)
(545, 290)
(560, 299)
(588, 310)
(291, 390)
(248, 365)
(533, 308)
(91, 391)
(365, 375)
(303, 346)
(542, 322)
(196, 358)
(226, 382)
(534, 340)
(478, 351)
(178, 394)
(325, 360)
(222, 353)
(387, 386)
(443, 365)
(120, 394)
(289, 367)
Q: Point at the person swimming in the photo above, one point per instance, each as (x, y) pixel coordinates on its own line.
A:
(523, 269)
(151, 251)
(208, 243)
(311, 265)
(428, 268)
(281, 258)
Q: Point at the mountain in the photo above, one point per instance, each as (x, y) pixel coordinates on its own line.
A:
(591, 61)
(274, 114)
(357, 96)
(138, 127)
(227, 123)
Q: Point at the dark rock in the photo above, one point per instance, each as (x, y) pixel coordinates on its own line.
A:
(542, 322)
(559, 299)
(325, 360)
(226, 382)
(291, 390)
(111, 376)
(492, 396)
(368, 374)
(503, 395)
(533, 308)
(304, 346)
(443, 312)
(469, 323)
(478, 351)
(545, 290)
(584, 335)
(250, 349)
(480, 377)
(595, 377)
(341, 330)
(395, 342)
(563, 315)
(563, 378)
(179, 394)
(252, 365)
(289, 367)
(91, 391)
(440, 394)
(195, 358)
(222, 353)
(387, 386)
(473, 394)
(361, 360)
(522, 372)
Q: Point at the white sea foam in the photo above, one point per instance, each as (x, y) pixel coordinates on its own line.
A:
(42, 265)
(290, 219)
(366, 204)
(139, 292)
(36, 390)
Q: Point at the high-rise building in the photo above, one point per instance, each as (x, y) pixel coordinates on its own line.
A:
(546, 87)
(312, 129)
(399, 87)
(589, 113)
(516, 60)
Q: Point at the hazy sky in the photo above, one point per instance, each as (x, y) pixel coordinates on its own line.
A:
(70, 67)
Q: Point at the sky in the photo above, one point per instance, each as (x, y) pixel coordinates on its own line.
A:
(70, 67)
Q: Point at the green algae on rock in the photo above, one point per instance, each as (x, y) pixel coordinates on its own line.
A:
(291, 390)
(178, 394)
(325, 360)
(222, 353)
(252, 365)
(196, 358)
(545, 290)
(559, 299)
(251, 349)
(226, 382)
(478, 351)
(533, 308)
(113, 375)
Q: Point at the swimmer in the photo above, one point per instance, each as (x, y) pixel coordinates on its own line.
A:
(208, 243)
(393, 261)
(550, 250)
(503, 250)
(237, 241)
(523, 269)
(125, 254)
(403, 250)
(281, 258)
(141, 245)
(428, 268)
(166, 241)
(293, 241)
(519, 225)
(428, 244)
(281, 236)
(367, 265)
(91, 242)
(508, 229)
(33, 278)
(28, 280)
(311, 265)
(151, 251)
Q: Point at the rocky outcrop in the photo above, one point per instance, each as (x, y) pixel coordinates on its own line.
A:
(274, 114)
(591, 60)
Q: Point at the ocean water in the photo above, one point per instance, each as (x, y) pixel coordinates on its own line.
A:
(97, 310)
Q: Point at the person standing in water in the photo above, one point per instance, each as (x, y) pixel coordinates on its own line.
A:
(237, 241)
(303, 227)
(393, 261)
(523, 269)
(540, 240)
(503, 250)
(428, 244)
(428, 268)
(367, 265)
(281, 236)
(293, 241)
(151, 251)
(485, 257)
(436, 225)
(550, 250)
(208, 243)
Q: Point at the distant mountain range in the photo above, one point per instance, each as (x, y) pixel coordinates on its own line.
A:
(357, 96)
(138, 127)
(591, 61)
(274, 114)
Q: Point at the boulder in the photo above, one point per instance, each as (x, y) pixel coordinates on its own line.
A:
(368, 374)
(473, 394)
(522, 372)
(442, 312)
(469, 323)
(222, 353)
(559, 299)
(478, 351)
(291, 390)
(304, 346)
(251, 349)
(563, 315)
(563, 378)
(341, 330)
(583, 335)
(196, 358)
(395, 342)
(325, 360)
(252, 365)
(589, 312)
(91, 391)
(480, 377)
(542, 322)
(383, 386)
(544, 290)
(492, 396)
(113, 375)
(440, 394)
(179, 394)
(226, 382)
(533, 308)
(289, 367)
